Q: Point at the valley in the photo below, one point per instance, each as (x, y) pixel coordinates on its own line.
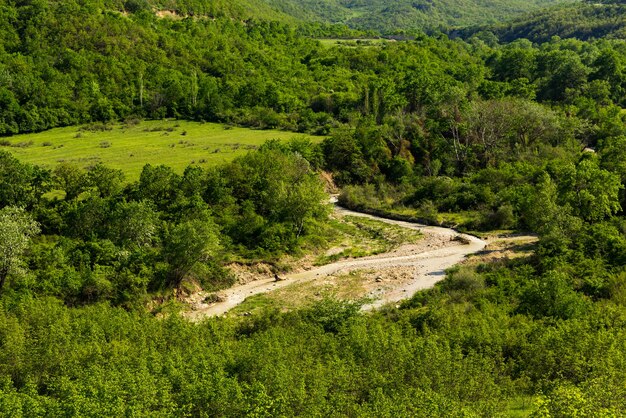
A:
(167, 244)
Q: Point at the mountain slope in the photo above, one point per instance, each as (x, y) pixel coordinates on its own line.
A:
(389, 16)
(582, 21)
(380, 15)
(240, 9)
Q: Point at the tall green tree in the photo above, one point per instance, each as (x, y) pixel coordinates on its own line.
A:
(21, 184)
(592, 191)
(71, 179)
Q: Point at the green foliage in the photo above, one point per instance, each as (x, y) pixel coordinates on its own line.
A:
(186, 244)
(279, 199)
(462, 351)
(16, 230)
(551, 295)
(71, 179)
(20, 184)
(594, 192)
(108, 182)
(332, 315)
(110, 241)
(134, 224)
(427, 128)
(462, 280)
(403, 15)
(577, 20)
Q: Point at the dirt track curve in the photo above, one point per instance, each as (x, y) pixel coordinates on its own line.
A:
(438, 251)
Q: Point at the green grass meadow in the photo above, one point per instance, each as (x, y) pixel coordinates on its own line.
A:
(173, 143)
(330, 42)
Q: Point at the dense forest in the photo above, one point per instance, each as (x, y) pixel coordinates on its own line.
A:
(485, 135)
(392, 17)
(592, 20)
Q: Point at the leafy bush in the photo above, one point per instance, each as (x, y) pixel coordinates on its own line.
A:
(331, 314)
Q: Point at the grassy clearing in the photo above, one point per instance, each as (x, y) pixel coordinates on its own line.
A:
(129, 147)
(520, 407)
(504, 247)
(354, 42)
(359, 237)
(301, 295)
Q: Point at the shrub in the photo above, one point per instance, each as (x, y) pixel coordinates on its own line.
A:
(132, 121)
(552, 295)
(463, 279)
(502, 218)
(332, 314)
(428, 210)
(23, 144)
(96, 127)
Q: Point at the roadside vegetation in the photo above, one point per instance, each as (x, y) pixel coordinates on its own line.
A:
(108, 239)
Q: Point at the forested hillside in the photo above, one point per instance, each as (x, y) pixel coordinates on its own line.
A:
(491, 138)
(66, 63)
(63, 64)
(389, 17)
(582, 21)
(234, 9)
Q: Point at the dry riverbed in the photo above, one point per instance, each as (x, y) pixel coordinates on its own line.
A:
(383, 278)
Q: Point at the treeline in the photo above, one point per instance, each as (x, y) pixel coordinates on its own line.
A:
(114, 241)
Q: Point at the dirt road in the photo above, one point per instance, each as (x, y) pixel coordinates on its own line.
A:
(440, 249)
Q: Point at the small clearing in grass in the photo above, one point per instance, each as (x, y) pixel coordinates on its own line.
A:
(353, 43)
(364, 285)
(360, 237)
(130, 146)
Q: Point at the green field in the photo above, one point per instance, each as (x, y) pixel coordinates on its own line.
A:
(330, 42)
(173, 143)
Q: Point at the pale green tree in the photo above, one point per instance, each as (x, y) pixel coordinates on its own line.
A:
(593, 192)
(187, 244)
(16, 230)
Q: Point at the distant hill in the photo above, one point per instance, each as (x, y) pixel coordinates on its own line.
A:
(379, 15)
(388, 16)
(582, 21)
(240, 9)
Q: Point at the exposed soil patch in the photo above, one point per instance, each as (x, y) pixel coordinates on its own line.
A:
(170, 14)
(246, 274)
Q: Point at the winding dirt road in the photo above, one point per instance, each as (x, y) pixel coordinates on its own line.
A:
(439, 250)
